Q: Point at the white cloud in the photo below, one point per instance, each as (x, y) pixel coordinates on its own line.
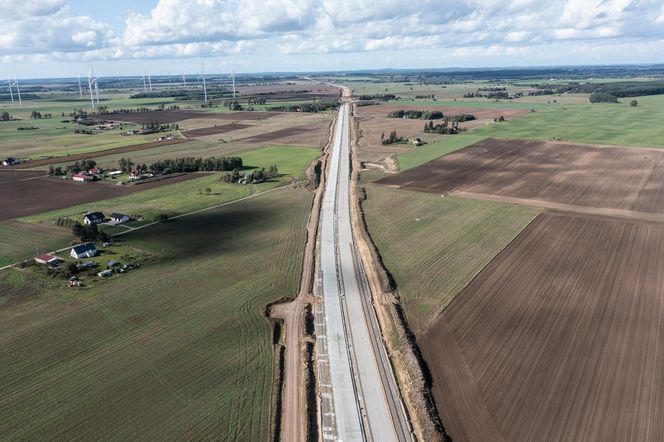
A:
(41, 27)
(203, 28)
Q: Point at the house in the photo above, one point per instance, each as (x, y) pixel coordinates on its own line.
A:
(82, 177)
(45, 258)
(119, 218)
(93, 218)
(135, 175)
(87, 250)
(95, 171)
(417, 141)
(10, 161)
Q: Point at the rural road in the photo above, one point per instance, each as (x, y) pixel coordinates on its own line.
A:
(359, 396)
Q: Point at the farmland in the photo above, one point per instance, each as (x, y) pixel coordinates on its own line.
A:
(435, 246)
(558, 338)
(19, 240)
(177, 349)
(622, 180)
(186, 196)
(43, 193)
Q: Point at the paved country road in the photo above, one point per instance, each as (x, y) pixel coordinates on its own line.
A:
(359, 397)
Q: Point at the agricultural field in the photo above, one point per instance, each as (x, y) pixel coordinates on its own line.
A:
(187, 195)
(163, 352)
(41, 193)
(22, 240)
(374, 124)
(435, 246)
(557, 338)
(614, 180)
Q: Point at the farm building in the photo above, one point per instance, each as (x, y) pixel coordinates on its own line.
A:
(87, 250)
(119, 217)
(82, 177)
(115, 172)
(45, 258)
(93, 218)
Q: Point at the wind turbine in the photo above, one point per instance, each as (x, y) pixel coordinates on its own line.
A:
(11, 85)
(150, 81)
(92, 81)
(18, 91)
(204, 86)
(80, 90)
(145, 89)
(233, 77)
(184, 80)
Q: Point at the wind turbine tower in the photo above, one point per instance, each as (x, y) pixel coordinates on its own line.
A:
(145, 89)
(184, 80)
(233, 76)
(11, 85)
(204, 86)
(92, 81)
(18, 91)
(80, 90)
(150, 82)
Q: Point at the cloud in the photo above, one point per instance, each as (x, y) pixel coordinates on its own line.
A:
(187, 21)
(45, 26)
(205, 28)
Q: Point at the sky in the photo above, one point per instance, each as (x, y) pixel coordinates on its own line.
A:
(60, 38)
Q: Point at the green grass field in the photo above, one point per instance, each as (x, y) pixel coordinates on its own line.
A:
(175, 350)
(617, 124)
(435, 246)
(184, 196)
(590, 123)
(22, 240)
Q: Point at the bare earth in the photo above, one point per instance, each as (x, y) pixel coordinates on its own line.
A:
(374, 122)
(621, 179)
(558, 338)
(23, 195)
(167, 117)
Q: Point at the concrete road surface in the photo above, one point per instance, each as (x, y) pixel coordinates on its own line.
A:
(359, 396)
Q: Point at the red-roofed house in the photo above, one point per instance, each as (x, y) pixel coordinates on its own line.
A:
(47, 259)
(81, 177)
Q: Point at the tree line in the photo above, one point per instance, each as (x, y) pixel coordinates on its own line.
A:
(184, 164)
(416, 114)
(316, 106)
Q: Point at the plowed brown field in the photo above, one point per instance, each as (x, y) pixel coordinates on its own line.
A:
(100, 153)
(559, 338)
(622, 179)
(27, 196)
(215, 129)
(167, 117)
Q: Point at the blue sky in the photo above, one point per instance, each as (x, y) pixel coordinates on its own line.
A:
(51, 38)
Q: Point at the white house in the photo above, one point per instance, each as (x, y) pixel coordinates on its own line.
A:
(119, 218)
(93, 218)
(87, 250)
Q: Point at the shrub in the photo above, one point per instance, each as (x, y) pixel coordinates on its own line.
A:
(633, 103)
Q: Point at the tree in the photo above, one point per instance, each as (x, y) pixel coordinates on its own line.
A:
(72, 268)
(78, 230)
(103, 237)
(5, 116)
(633, 103)
(208, 191)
